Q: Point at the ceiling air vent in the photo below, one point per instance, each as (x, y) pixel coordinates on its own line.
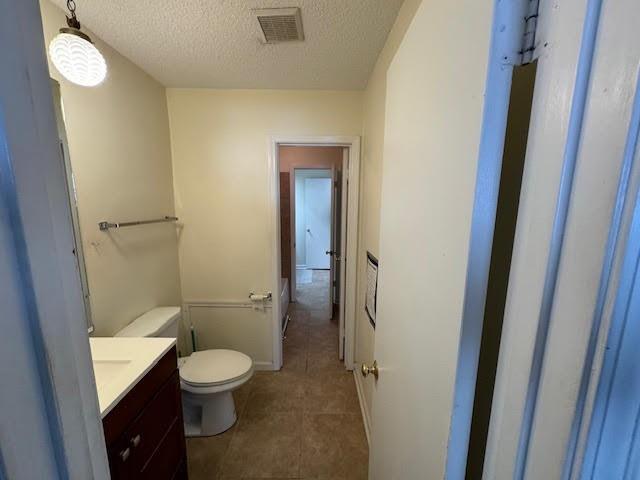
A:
(280, 24)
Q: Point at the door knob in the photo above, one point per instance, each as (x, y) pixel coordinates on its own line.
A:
(329, 252)
(373, 369)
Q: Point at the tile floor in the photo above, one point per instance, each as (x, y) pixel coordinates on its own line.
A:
(302, 422)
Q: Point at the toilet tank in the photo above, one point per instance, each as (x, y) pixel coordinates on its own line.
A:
(157, 322)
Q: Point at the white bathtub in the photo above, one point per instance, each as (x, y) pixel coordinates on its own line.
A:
(284, 302)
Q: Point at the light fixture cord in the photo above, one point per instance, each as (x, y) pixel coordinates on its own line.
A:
(72, 21)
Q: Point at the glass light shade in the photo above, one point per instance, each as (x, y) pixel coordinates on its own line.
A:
(77, 59)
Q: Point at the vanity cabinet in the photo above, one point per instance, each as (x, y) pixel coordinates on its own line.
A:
(144, 432)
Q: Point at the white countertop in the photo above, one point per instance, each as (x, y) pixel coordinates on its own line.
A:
(120, 362)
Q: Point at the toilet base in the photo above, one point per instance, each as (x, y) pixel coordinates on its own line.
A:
(209, 414)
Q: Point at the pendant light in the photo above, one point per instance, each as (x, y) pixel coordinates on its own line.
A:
(74, 54)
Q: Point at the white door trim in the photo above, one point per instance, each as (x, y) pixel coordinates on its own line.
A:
(353, 144)
(344, 203)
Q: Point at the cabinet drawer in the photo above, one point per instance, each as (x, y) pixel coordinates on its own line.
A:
(144, 432)
(160, 422)
(147, 432)
(168, 457)
(118, 420)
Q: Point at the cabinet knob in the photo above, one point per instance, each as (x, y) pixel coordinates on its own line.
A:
(135, 441)
(124, 454)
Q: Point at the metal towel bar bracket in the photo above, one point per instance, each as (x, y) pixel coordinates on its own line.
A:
(108, 225)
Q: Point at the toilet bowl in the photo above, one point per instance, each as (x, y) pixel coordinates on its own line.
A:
(207, 377)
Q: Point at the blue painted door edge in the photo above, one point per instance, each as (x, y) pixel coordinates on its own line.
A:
(506, 35)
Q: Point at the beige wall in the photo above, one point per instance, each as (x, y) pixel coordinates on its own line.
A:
(219, 141)
(371, 182)
(309, 157)
(118, 136)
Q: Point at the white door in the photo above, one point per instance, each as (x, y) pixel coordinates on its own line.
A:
(341, 267)
(318, 222)
(335, 232)
(434, 108)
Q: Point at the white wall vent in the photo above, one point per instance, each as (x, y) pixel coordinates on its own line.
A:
(279, 24)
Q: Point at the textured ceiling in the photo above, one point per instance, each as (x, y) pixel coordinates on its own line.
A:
(215, 43)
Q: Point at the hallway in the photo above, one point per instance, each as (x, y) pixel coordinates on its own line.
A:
(303, 422)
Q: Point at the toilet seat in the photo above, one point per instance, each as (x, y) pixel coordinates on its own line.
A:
(216, 369)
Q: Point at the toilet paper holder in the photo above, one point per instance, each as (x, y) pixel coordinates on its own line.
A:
(254, 297)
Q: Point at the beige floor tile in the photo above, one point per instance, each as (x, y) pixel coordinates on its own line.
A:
(265, 445)
(319, 361)
(298, 314)
(294, 360)
(205, 454)
(293, 383)
(295, 340)
(331, 393)
(273, 402)
(334, 446)
(324, 341)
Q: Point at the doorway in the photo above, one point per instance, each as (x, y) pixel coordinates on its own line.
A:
(314, 224)
(315, 238)
(313, 221)
(311, 239)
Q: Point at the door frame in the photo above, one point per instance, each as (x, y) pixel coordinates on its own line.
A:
(504, 54)
(292, 215)
(293, 212)
(48, 340)
(352, 143)
(557, 321)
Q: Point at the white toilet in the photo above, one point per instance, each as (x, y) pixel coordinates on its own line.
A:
(207, 377)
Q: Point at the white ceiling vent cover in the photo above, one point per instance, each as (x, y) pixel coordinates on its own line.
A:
(280, 24)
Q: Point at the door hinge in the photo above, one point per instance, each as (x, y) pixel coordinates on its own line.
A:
(334, 283)
(521, 28)
(528, 49)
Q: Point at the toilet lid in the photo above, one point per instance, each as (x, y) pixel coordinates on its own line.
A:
(214, 367)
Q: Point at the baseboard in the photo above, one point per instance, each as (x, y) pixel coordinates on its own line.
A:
(262, 366)
(366, 418)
